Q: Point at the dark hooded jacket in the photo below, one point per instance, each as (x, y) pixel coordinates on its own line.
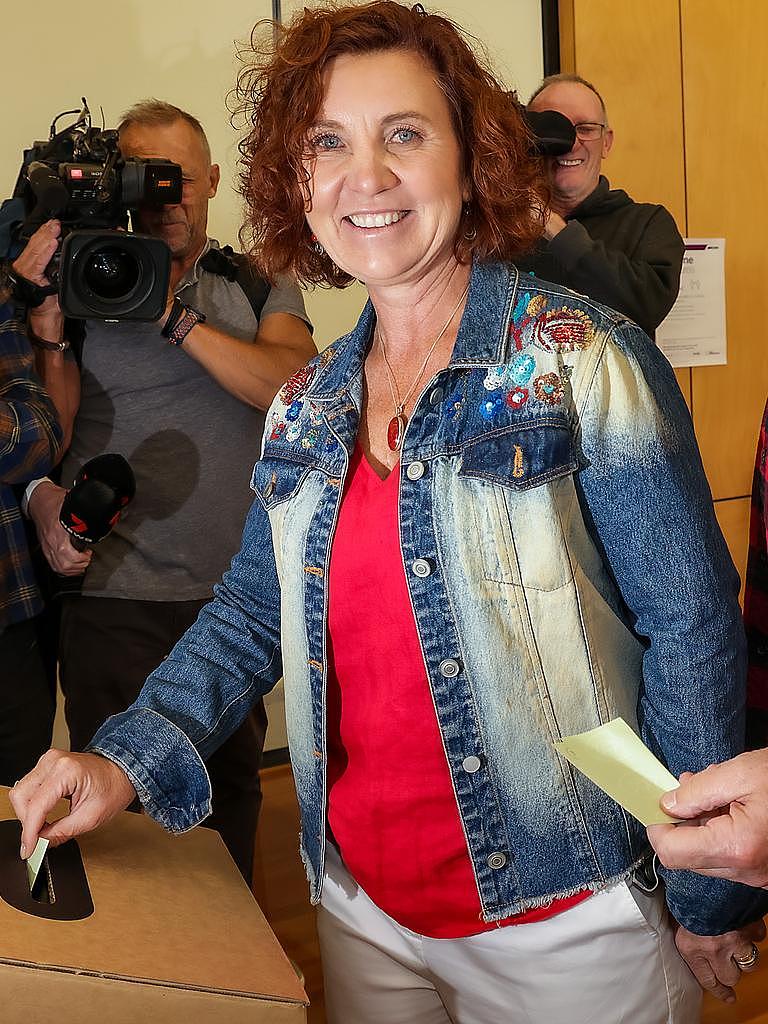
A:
(625, 254)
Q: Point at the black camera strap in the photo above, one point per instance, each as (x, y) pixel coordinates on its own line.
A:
(27, 293)
(236, 266)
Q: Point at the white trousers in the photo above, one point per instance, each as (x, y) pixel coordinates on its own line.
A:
(609, 960)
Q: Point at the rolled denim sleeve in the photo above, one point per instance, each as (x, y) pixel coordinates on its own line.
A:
(646, 500)
(204, 689)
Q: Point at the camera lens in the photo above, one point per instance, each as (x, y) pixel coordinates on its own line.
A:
(112, 273)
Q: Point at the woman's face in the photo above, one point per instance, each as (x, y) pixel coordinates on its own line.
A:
(386, 181)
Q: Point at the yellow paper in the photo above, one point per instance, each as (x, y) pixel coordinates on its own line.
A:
(616, 759)
(35, 862)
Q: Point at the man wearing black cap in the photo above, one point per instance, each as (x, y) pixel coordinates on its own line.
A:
(597, 240)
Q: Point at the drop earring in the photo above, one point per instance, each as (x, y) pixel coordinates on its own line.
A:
(470, 234)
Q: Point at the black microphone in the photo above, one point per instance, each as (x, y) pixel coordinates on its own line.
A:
(553, 133)
(103, 488)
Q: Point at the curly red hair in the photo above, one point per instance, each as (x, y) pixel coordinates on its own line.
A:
(280, 95)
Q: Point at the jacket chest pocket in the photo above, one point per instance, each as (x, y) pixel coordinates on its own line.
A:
(521, 488)
(289, 489)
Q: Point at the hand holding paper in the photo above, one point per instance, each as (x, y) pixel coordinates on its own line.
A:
(616, 759)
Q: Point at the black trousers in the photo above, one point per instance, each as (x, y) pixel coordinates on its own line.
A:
(26, 702)
(107, 648)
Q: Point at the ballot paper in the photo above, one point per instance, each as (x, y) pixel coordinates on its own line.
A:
(616, 759)
(35, 862)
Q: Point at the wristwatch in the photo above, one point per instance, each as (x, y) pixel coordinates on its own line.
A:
(181, 320)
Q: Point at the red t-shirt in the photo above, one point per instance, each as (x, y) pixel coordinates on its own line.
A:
(391, 805)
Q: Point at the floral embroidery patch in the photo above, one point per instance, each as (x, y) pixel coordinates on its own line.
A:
(521, 306)
(521, 371)
(495, 378)
(563, 330)
(294, 410)
(517, 397)
(491, 407)
(536, 305)
(278, 428)
(453, 403)
(548, 389)
(527, 308)
(296, 386)
(311, 437)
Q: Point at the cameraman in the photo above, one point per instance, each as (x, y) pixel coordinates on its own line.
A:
(598, 240)
(187, 413)
(30, 439)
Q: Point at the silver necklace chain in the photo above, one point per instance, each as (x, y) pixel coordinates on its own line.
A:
(400, 405)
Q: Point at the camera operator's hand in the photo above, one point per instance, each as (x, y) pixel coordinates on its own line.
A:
(31, 264)
(554, 225)
(38, 253)
(44, 507)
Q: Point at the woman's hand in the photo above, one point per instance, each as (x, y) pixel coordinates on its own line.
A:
(710, 957)
(98, 789)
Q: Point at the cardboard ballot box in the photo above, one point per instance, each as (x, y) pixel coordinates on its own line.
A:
(174, 935)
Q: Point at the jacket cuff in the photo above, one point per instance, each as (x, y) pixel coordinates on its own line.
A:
(162, 764)
(712, 906)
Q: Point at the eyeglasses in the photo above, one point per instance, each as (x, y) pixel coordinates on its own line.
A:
(589, 131)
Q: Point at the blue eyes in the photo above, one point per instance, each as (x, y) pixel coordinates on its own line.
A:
(330, 142)
(405, 135)
(326, 141)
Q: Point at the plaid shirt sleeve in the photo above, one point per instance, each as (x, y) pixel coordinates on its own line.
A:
(30, 438)
(756, 596)
(30, 435)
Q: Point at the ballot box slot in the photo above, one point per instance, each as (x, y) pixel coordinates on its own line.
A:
(61, 891)
(42, 890)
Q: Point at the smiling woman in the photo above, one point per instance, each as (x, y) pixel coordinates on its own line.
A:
(453, 559)
(283, 101)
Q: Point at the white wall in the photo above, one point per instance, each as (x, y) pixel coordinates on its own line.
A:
(118, 53)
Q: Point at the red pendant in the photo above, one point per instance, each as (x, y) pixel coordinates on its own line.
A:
(395, 432)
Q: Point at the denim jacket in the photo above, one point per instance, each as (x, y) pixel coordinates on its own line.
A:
(564, 567)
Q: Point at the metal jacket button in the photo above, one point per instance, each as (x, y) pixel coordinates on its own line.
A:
(497, 860)
(421, 568)
(415, 470)
(436, 396)
(471, 765)
(269, 489)
(449, 668)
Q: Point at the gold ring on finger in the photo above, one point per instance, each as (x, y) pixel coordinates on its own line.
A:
(744, 963)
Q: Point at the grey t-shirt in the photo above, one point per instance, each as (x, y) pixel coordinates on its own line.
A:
(190, 444)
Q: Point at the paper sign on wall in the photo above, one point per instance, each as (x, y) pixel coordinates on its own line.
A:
(693, 333)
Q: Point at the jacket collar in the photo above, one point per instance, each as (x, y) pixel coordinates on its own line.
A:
(481, 341)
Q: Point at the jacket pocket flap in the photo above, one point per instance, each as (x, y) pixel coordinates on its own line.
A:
(275, 479)
(521, 456)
